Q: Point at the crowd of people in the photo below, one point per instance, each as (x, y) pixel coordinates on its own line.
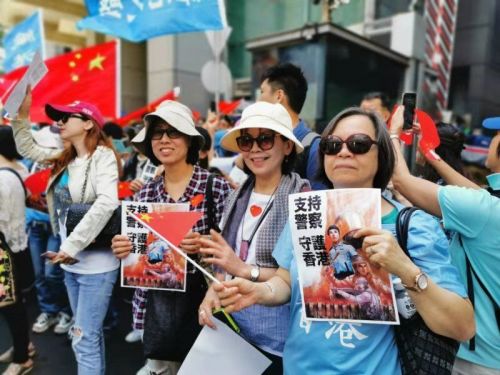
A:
(249, 166)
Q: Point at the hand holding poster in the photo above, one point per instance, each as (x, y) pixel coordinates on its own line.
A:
(337, 281)
(152, 264)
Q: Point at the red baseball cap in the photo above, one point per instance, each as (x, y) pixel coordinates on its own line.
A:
(56, 112)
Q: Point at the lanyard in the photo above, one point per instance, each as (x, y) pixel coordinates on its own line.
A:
(245, 244)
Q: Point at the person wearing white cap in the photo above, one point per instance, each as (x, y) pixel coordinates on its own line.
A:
(170, 139)
(254, 216)
(473, 215)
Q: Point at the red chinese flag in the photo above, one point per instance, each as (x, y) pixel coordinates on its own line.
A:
(172, 225)
(228, 107)
(430, 136)
(89, 75)
(124, 190)
(37, 182)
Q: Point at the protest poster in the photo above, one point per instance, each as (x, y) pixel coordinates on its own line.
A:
(337, 281)
(151, 264)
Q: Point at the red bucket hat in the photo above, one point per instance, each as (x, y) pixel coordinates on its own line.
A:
(56, 112)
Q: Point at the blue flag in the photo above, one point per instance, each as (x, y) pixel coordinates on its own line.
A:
(138, 20)
(22, 41)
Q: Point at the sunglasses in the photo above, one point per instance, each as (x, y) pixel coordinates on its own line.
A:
(64, 119)
(357, 144)
(264, 141)
(171, 133)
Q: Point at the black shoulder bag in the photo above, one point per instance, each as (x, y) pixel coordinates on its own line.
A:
(421, 351)
(77, 211)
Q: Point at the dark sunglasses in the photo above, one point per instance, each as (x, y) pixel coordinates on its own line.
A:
(171, 133)
(264, 141)
(64, 119)
(357, 144)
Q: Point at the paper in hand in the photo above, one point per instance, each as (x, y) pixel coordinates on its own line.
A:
(36, 71)
(221, 352)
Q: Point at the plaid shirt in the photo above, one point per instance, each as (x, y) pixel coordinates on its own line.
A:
(154, 191)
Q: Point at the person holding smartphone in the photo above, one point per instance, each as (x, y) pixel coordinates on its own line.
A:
(473, 215)
(85, 171)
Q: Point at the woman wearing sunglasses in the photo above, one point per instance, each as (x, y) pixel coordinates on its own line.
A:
(170, 139)
(85, 171)
(254, 216)
(356, 152)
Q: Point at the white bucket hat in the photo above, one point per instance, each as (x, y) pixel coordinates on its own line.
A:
(175, 114)
(262, 115)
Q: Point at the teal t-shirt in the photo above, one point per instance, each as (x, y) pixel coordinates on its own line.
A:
(475, 216)
(314, 347)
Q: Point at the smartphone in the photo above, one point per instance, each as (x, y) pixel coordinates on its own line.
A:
(410, 103)
(226, 318)
(49, 254)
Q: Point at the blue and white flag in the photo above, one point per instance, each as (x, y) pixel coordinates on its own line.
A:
(138, 20)
(22, 41)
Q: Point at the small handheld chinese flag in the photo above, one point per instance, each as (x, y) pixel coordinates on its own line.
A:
(37, 182)
(124, 190)
(172, 225)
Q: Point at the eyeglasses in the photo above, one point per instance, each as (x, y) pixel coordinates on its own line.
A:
(357, 144)
(264, 141)
(64, 119)
(171, 133)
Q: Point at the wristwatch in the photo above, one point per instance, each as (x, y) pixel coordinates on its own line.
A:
(255, 273)
(421, 283)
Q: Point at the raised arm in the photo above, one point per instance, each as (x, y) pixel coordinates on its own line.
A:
(22, 134)
(451, 176)
(418, 191)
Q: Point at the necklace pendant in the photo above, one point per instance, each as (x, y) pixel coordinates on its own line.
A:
(244, 245)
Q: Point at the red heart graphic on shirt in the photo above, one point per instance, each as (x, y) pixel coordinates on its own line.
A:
(197, 199)
(255, 210)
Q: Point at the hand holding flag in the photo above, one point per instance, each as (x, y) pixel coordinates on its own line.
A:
(172, 227)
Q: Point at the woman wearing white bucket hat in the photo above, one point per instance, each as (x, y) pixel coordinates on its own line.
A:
(170, 139)
(253, 218)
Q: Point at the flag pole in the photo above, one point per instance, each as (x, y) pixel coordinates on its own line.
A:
(179, 251)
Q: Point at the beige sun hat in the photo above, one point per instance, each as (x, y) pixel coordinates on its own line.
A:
(175, 114)
(262, 115)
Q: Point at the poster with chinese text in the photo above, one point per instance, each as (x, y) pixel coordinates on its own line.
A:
(152, 264)
(337, 281)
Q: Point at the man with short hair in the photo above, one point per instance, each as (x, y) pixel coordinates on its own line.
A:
(377, 102)
(285, 84)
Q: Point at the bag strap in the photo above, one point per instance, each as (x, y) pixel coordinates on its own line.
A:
(301, 165)
(211, 212)
(402, 226)
(470, 291)
(495, 193)
(84, 187)
(309, 139)
(18, 176)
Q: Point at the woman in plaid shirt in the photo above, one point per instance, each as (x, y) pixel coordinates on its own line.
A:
(170, 139)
